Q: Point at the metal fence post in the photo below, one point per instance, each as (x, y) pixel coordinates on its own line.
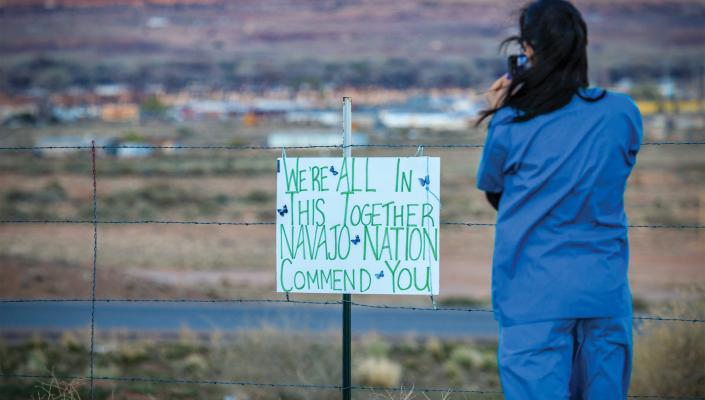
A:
(347, 151)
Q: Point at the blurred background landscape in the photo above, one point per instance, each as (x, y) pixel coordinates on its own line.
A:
(273, 73)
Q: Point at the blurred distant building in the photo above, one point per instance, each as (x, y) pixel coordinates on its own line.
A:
(250, 119)
(208, 109)
(120, 112)
(624, 85)
(361, 118)
(446, 121)
(12, 107)
(279, 106)
(75, 113)
(157, 22)
(312, 138)
(321, 117)
(114, 93)
(667, 88)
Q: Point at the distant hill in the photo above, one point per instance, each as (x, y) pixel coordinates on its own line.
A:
(263, 38)
(327, 3)
(51, 4)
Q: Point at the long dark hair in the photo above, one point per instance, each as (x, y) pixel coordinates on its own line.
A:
(557, 33)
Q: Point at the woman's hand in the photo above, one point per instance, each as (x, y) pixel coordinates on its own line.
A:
(497, 91)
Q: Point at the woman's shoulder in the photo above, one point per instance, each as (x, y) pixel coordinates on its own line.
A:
(503, 116)
(611, 102)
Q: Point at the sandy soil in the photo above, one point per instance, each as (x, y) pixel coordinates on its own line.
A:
(173, 261)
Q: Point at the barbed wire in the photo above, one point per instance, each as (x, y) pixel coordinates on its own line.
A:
(254, 223)
(179, 381)
(665, 143)
(312, 302)
(154, 300)
(145, 379)
(85, 221)
(304, 147)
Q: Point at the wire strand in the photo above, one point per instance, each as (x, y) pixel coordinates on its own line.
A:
(279, 148)
(255, 223)
(295, 385)
(314, 302)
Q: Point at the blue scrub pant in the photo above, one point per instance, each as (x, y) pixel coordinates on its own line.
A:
(585, 359)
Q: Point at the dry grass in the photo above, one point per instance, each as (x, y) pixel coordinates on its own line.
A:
(277, 355)
(59, 390)
(267, 355)
(408, 394)
(669, 357)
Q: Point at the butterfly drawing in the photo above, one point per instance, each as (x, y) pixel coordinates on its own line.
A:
(356, 240)
(282, 210)
(426, 181)
(380, 274)
(333, 171)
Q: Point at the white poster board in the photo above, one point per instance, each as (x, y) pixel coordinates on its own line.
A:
(358, 225)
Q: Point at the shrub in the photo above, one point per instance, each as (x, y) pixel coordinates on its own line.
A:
(52, 193)
(435, 347)
(467, 357)
(36, 362)
(259, 196)
(70, 341)
(454, 372)
(194, 364)
(375, 345)
(378, 372)
(131, 353)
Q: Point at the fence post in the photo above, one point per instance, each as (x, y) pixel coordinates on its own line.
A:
(701, 216)
(347, 152)
(95, 260)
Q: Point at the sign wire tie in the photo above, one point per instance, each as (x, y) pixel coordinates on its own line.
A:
(419, 151)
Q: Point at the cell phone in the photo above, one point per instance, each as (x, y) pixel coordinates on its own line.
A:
(516, 63)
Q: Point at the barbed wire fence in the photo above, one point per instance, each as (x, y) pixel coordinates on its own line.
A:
(95, 222)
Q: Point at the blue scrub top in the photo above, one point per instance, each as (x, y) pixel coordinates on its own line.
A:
(561, 248)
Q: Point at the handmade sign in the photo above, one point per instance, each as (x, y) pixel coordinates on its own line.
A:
(358, 225)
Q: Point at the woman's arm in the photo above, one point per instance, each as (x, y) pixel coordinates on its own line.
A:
(494, 198)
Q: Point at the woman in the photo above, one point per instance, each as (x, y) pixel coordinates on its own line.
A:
(555, 164)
